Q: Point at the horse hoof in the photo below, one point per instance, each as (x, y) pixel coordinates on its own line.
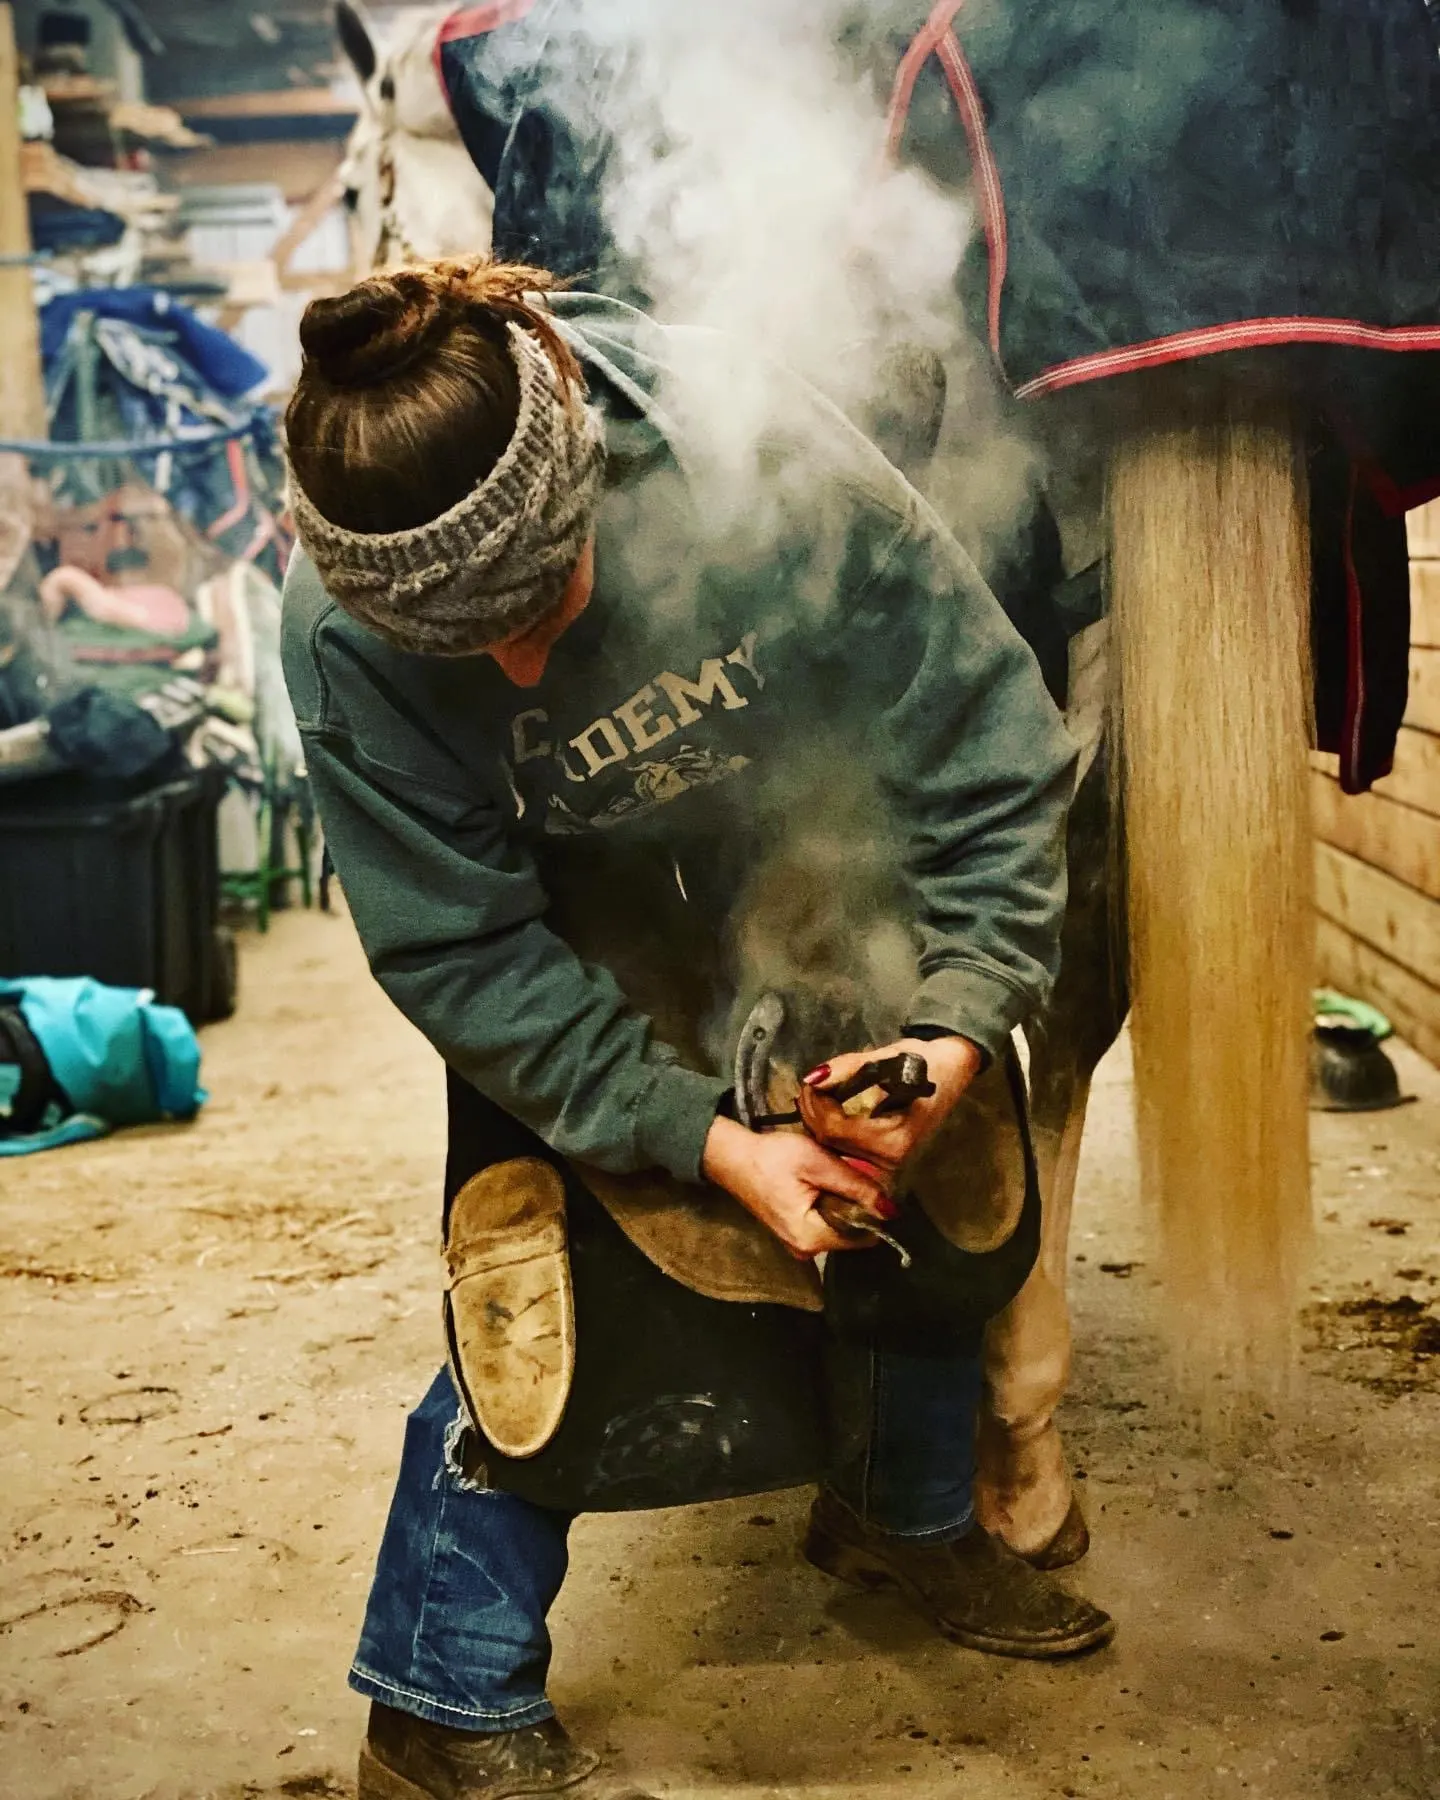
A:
(1067, 1546)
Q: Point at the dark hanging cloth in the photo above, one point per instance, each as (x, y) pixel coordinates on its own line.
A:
(1160, 181)
(529, 101)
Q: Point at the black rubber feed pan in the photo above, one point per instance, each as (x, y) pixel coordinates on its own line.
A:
(1349, 1072)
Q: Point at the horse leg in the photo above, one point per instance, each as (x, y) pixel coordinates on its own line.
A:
(1023, 1488)
(1024, 1491)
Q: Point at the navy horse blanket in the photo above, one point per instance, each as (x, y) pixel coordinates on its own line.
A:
(1158, 182)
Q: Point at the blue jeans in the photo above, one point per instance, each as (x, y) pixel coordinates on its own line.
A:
(455, 1630)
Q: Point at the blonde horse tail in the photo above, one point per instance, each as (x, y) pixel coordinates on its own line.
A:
(1210, 592)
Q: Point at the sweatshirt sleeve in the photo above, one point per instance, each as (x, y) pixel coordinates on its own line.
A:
(978, 770)
(449, 909)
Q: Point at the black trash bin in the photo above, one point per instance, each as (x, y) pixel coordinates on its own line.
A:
(120, 885)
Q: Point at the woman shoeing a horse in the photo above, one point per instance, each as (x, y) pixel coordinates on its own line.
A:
(699, 805)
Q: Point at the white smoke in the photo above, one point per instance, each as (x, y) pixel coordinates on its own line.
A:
(751, 188)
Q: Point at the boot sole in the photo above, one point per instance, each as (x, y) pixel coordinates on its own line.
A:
(861, 1569)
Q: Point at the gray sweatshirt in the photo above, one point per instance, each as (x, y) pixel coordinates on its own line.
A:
(832, 620)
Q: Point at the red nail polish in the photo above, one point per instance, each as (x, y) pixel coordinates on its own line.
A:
(816, 1076)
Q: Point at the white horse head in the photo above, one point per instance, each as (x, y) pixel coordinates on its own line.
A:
(409, 182)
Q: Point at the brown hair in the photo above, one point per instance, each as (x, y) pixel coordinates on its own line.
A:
(409, 394)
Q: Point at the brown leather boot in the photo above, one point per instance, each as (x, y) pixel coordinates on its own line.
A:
(405, 1758)
(973, 1590)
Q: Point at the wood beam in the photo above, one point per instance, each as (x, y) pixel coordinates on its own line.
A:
(297, 168)
(1425, 604)
(1413, 1006)
(1381, 911)
(22, 387)
(1398, 839)
(1423, 709)
(1423, 527)
(308, 220)
(1415, 779)
(278, 103)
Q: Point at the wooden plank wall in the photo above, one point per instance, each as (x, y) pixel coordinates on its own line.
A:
(1378, 867)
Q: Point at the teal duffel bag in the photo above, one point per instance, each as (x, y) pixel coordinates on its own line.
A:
(79, 1059)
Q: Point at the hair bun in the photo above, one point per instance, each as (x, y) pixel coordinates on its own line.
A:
(378, 329)
(390, 321)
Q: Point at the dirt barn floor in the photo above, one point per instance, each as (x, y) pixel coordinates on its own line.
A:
(211, 1337)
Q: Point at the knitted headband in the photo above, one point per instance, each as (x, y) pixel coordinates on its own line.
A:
(499, 560)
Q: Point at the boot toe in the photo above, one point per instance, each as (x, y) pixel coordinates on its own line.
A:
(975, 1590)
(406, 1758)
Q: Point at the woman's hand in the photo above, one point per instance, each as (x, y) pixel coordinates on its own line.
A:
(953, 1062)
(781, 1179)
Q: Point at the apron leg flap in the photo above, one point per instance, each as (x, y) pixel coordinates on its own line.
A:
(510, 1305)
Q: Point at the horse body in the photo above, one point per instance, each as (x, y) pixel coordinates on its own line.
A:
(1229, 850)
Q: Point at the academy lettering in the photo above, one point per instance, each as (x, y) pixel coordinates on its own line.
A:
(527, 748)
(662, 708)
(714, 684)
(601, 746)
(639, 718)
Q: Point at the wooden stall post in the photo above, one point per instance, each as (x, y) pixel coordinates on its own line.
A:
(22, 388)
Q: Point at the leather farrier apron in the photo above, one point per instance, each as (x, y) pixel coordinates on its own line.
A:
(625, 1342)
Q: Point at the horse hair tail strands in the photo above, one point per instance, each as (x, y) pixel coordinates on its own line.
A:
(1210, 594)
